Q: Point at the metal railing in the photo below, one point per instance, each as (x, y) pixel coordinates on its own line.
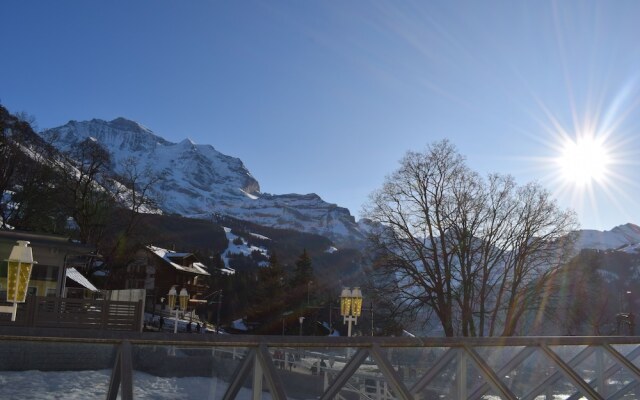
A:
(363, 368)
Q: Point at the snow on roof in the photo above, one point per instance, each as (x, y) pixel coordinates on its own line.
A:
(239, 325)
(76, 276)
(167, 255)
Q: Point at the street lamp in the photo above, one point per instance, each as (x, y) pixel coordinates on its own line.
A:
(184, 298)
(19, 263)
(350, 306)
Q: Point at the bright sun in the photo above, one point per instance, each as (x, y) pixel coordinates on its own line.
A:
(584, 161)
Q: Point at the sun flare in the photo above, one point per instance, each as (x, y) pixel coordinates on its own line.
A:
(584, 161)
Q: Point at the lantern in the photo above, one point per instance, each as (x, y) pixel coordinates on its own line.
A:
(184, 299)
(356, 302)
(345, 302)
(19, 264)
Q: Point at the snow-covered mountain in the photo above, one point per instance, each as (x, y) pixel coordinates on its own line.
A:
(198, 181)
(624, 237)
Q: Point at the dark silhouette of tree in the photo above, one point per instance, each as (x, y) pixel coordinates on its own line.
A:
(27, 179)
(88, 189)
(475, 252)
(303, 271)
(269, 297)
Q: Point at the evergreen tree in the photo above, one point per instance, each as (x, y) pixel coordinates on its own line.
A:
(298, 294)
(303, 273)
(269, 297)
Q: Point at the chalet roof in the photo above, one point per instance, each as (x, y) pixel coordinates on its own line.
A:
(44, 239)
(76, 276)
(169, 256)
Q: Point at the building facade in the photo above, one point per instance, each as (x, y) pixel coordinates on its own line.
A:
(53, 255)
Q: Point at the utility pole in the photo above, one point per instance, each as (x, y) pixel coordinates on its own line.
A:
(372, 318)
(218, 315)
(219, 293)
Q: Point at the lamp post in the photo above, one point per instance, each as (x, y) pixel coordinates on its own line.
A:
(171, 296)
(184, 299)
(20, 263)
(350, 306)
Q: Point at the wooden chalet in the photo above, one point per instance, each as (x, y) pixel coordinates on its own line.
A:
(157, 270)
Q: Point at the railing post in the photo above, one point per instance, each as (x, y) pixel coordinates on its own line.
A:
(602, 383)
(461, 375)
(122, 374)
(257, 381)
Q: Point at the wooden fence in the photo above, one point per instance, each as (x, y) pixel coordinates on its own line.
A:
(57, 312)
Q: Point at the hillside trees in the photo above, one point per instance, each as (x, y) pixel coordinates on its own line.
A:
(303, 271)
(269, 296)
(135, 196)
(43, 188)
(476, 252)
(28, 196)
(85, 184)
(584, 305)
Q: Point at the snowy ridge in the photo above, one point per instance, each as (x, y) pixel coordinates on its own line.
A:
(198, 181)
(624, 237)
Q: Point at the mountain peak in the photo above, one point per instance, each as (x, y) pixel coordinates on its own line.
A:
(198, 181)
(127, 124)
(628, 227)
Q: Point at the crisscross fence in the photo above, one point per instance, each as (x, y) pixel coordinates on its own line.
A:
(162, 365)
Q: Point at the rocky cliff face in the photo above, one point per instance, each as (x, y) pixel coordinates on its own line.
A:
(199, 181)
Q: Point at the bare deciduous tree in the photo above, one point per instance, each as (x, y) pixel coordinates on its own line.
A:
(85, 181)
(474, 252)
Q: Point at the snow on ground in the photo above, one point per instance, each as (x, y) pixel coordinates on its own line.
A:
(244, 248)
(258, 236)
(331, 250)
(89, 385)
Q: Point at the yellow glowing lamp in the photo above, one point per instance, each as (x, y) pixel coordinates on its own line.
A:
(184, 299)
(172, 297)
(20, 263)
(356, 302)
(345, 302)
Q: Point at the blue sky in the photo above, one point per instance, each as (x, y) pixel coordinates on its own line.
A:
(327, 96)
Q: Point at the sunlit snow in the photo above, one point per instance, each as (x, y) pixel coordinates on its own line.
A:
(89, 385)
(244, 248)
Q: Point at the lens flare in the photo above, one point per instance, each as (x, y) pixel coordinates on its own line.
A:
(584, 161)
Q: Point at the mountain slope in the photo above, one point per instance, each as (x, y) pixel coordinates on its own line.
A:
(198, 181)
(620, 237)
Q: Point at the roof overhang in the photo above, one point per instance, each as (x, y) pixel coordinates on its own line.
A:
(77, 277)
